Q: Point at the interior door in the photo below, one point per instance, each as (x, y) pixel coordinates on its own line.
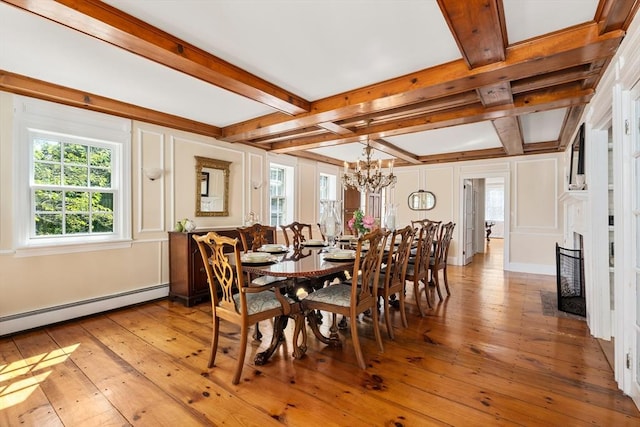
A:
(468, 221)
(351, 203)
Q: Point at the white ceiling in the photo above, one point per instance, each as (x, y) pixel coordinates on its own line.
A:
(312, 48)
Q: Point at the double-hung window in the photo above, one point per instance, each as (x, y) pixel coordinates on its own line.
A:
(327, 185)
(71, 187)
(281, 193)
(278, 193)
(73, 176)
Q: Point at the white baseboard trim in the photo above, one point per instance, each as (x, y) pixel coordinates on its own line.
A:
(47, 316)
(549, 270)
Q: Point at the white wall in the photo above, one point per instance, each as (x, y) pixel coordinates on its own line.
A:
(533, 219)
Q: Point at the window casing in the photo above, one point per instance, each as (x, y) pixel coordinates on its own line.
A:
(281, 194)
(72, 177)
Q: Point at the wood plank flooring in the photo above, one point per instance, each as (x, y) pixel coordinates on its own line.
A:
(485, 356)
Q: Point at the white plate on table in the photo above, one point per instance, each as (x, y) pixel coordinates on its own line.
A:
(340, 255)
(273, 249)
(314, 243)
(257, 258)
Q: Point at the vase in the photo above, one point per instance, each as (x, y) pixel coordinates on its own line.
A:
(330, 223)
(390, 219)
(187, 225)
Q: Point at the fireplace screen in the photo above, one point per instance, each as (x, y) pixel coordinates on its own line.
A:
(570, 278)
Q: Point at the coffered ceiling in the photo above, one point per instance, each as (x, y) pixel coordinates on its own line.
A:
(424, 80)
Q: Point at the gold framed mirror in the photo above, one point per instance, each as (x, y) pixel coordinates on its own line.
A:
(212, 187)
(421, 200)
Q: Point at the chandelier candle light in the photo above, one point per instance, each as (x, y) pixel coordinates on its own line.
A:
(368, 176)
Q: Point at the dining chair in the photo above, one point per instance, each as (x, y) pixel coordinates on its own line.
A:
(296, 233)
(354, 298)
(418, 271)
(231, 299)
(438, 262)
(393, 275)
(253, 237)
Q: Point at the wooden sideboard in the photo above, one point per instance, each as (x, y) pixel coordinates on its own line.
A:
(187, 276)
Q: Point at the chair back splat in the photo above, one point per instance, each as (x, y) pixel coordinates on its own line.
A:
(256, 235)
(237, 303)
(296, 233)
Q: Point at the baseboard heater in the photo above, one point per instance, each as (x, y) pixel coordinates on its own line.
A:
(46, 316)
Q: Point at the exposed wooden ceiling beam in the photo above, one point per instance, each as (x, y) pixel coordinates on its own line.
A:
(319, 158)
(578, 73)
(541, 147)
(495, 94)
(508, 130)
(564, 49)
(27, 86)
(563, 96)
(108, 24)
(476, 27)
(615, 14)
(389, 148)
(463, 156)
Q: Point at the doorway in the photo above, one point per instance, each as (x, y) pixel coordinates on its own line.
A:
(477, 208)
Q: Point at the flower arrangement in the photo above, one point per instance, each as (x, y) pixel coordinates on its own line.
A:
(361, 223)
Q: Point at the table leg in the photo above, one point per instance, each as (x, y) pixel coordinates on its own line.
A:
(333, 340)
(279, 324)
(299, 349)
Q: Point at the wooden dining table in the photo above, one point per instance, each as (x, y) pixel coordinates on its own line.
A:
(301, 262)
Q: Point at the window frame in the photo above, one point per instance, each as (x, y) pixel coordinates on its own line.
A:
(331, 193)
(287, 197)
(35, 119)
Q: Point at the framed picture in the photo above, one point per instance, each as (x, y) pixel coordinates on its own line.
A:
(204, 184)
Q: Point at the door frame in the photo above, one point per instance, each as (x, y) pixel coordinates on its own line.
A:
(626, 237)
(503, 173)
(469, 201)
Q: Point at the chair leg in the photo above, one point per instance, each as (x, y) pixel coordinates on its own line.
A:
(356, 344)
(243, 350)
(403, 313)
(416, 295)
(257, 335)
(436, 282)
(214, 341)
(446, 281)
(387, 317)
(376, 329)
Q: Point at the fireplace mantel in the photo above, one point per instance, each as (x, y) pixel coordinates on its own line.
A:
(575, 214)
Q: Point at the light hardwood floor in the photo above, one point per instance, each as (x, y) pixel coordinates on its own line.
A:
(485, 356)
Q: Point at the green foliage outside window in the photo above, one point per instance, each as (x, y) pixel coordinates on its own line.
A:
(71, 189)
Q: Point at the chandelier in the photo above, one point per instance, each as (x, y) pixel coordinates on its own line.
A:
(367, 176)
